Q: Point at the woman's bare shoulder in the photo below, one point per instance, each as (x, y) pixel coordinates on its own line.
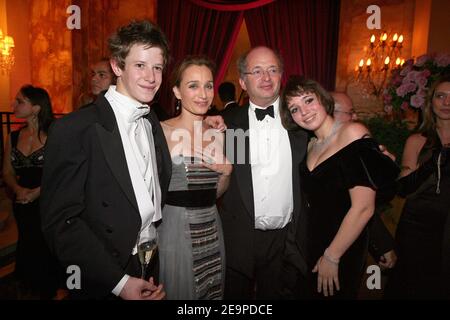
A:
(416, 139)
(414, 144)
(352, 131)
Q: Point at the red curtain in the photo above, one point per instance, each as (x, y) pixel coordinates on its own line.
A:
(191, 29)
(231, 5)
(304, 32)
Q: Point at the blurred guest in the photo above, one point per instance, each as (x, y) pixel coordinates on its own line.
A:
(102, 77)
(213, 111)
(423, 232)
(35, 269)
(343, 107)
(227, 94)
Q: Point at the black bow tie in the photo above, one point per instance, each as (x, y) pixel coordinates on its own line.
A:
(262, 113)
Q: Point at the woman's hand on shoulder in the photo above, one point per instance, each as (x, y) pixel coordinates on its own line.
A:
(215, 122)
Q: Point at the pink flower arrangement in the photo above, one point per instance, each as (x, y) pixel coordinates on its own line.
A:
(408, 85)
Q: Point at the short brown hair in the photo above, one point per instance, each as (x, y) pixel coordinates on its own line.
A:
(298, 85)
(137, 32)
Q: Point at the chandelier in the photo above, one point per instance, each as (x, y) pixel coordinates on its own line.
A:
(6, 52)
(381, 56)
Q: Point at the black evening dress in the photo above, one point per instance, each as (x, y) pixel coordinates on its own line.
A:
(423, 237)
(326, 191)
(35, 267)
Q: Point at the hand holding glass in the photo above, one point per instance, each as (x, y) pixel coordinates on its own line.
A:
(146, 251)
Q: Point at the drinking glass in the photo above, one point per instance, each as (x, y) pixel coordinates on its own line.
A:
(146, 251)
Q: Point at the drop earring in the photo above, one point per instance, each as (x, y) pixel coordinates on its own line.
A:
(178, 106)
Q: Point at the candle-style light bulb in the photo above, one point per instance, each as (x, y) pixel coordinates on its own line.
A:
(395, 37)
(361, 63)
(400, 39)
(384, 37)
(369, 62)
(386, 63)
(402, 62)
(398, 61)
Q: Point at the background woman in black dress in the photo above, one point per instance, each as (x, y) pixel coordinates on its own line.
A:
(423, 232)
(339, 176)
(35, 268)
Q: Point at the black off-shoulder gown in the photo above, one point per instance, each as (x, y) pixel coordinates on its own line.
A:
(326, 190)
(423, 240)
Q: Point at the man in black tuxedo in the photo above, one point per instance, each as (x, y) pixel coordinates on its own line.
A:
(227, 94)
(106, 173)
(263, 199)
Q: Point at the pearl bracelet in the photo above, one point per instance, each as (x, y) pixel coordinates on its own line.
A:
(329, 258)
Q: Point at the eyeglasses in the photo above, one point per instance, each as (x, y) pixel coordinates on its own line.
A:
(259, 72)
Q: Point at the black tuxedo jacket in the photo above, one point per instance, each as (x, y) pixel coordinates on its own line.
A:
(229, 109)
(237, 205)
(90, 216)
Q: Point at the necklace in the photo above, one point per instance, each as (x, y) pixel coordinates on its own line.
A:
(319, 146)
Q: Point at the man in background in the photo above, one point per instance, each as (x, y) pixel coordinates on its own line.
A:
(102, 77)
(227, 94)
(343, 107)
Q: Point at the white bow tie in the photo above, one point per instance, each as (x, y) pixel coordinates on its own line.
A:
(139, 112)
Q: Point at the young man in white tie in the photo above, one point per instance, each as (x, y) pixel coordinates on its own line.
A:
(106, 174)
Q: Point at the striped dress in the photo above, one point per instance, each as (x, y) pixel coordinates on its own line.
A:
(191, 249)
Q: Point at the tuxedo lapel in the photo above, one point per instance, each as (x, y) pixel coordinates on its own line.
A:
(298, 139)
(112, 147)
(243, 170)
